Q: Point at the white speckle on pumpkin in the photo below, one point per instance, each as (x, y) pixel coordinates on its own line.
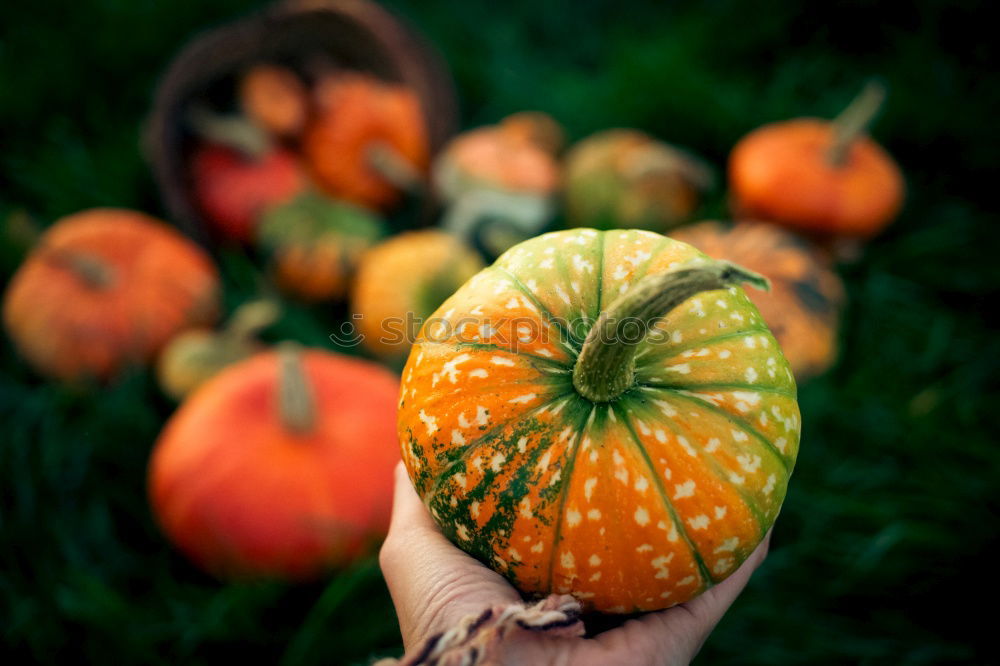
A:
(457, 437)
(781, 443)
(665, 407)
(660, 435)
(713, 444)
(641, 516)
(595, 560)
(699, 522)
(720, 512)
(686, 489)
(500, 360)
(722, 565)
(429, 421)
(463, 532)
(751, 374)
(644, 548)
(594, 514)
(497, 461)
(474, 509)
(676, 337)
(727, 546)
(512, 304)
(588, 487)
(594, 577)
(573, 518)
(482, 415)
(479, 372)
(538, 547)
(769, 486)
(682, 368)
(686, 445)
(641, 484)
(739, 436)
(523, 399)
(567, 560)
(687, 580)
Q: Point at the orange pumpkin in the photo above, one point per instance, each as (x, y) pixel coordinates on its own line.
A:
(603, 414)
(275, 98)
(536, 127)
(499, 183)
(314, 244)
(106, 288)
(626, 178)
(402, 281)
(196, 355)
(367, 140)
(802, 308)
(281, 465)
(818, 176)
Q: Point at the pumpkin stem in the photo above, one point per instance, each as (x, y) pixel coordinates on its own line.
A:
(233, 132)
(94, 272)
(606, 366)
(388, 163)
(295, 400)
(853, 121)
(250, 318)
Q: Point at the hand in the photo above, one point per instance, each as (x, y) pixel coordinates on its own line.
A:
(434, 585)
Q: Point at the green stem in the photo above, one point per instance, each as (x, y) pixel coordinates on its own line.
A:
(606, 366)
(231, 131)
(853, 121)
(386, 161)
(296, 406)
(94, 272)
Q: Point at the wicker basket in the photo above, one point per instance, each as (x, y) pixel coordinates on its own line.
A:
(353, 34)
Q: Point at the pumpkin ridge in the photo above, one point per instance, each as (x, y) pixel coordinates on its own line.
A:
(717, 386)
(667, 503)
(446, 473)
(600, 271)
(567, 280)
(746, 427)
(558, 367)
(545, 313)
(674, 350)
(755, 510)
(564, 489)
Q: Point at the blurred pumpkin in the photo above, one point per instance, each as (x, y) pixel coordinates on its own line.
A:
(802, 309)
(497, 179)
(536, 127)
(818, 176)
(279, 466)
(367, 140)
(274, 98)
(626, 178)
(196, 355)
(314, 244)
(105, 288)
(236, 173)
(402, 281)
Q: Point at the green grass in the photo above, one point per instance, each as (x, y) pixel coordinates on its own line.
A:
(890, 526)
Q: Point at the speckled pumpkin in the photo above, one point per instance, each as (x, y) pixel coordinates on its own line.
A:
(400, 282)
(314, 244)
(803, 306)
(633, 462)
(106, 288)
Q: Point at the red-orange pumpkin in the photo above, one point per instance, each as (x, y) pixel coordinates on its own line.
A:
(802, 308)
(106, 288)
(275, 98)
(367, 139)
(281, 465)
(633, 462)
(819, 176)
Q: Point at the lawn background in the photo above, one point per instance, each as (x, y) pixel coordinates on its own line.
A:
(891, 521)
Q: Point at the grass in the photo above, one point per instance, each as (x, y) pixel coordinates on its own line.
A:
(889, 532)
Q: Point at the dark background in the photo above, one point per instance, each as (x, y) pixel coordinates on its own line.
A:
(889, 532)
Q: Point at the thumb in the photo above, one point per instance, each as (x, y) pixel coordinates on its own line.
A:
(433, 584)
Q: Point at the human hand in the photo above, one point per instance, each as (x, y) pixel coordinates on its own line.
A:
(434, 585)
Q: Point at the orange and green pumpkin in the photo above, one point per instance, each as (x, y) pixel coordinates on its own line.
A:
(604, 414)
(314, 244)
(401, 281)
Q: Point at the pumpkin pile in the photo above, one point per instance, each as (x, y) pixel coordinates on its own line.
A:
(601, 411)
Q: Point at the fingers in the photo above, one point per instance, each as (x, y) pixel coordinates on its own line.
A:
(433, 584)
(680, 631)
